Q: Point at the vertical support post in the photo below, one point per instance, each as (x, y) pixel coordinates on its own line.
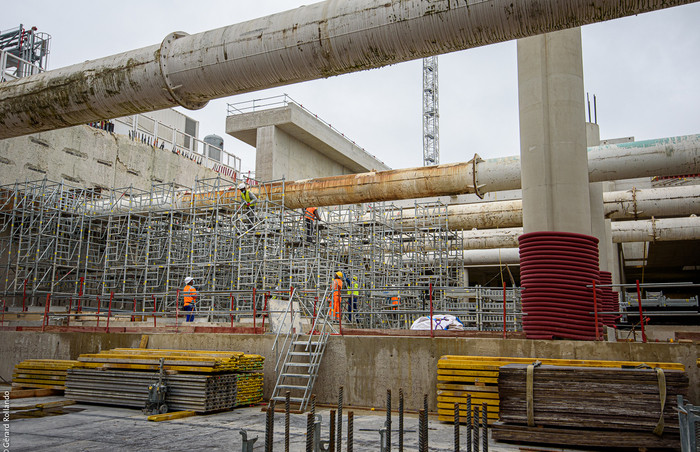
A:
(430, 290)
(595, 313)
(456, 426)
(24, 297)
(351, 430)
(98, 312)
(504, 310)
(2, 322)
(133, 310)
(270, 425)
(331, 432)
(255, 298)
(286, 420)
(47, 306)
(469, 423)
(70, 308)
(641, 312)
(230, 313)
(80, 295)
(177, 309)
(154, 311)
(340, 318)
(109, 310)
(267, 294)
(400, 419)
(387, 424)
(340, 421)
(255, 314)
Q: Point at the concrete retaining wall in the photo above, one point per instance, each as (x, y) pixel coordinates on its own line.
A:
(365, 366)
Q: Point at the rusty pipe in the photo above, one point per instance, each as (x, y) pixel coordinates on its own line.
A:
(310, 42)
(661, 157)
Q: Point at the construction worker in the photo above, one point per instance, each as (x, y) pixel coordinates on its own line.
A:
(395, 301)
(190, 294)
(354, 292)
(337, 295)
(310, 217)
(248, 202)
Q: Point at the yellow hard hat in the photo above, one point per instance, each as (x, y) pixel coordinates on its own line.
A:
(354, 278)
(339, 274)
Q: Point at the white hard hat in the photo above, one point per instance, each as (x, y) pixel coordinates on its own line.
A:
(189, 279)
(241, 186)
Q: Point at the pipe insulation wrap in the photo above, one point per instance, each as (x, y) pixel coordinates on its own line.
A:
(316, 41)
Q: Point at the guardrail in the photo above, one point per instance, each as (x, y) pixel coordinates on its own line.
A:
(12, 67)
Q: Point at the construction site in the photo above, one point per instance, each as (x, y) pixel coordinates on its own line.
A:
(544, 301)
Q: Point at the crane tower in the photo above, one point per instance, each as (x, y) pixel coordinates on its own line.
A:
(431, 117)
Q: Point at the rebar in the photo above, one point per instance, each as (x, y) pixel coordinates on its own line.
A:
(310, 432)
(331, 431)
(475, 431)
(339, 435)
(400, 419)
(269, 425)
(469, 423)
(425, 424)
(456, 426)
(388, 420)
(484, 428)
(351, 430)
(422, 441)
(287, 395)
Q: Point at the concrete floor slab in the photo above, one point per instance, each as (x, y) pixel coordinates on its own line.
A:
(84, 427)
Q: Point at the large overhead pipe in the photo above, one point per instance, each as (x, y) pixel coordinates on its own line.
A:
(661, 157)
(632, 204)
(316, 41)
(654, 230)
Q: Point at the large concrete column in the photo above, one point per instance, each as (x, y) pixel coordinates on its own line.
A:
(598, 226)
(553, 133)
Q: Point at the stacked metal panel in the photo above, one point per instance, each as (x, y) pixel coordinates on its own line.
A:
(250, 389)
(195, 392)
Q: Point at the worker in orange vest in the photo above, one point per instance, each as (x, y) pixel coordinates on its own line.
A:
(310, 217)
(190, 294)
(337, 293)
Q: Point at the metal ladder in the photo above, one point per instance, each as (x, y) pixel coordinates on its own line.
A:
(300, 357)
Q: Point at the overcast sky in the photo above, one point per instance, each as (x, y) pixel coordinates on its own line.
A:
(644, 70)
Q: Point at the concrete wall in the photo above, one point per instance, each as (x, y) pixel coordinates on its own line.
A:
(88, 157)
(365, 366)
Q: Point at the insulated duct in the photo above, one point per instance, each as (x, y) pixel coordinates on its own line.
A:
(316, 41)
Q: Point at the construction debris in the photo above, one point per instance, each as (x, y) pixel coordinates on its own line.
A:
(590, 400)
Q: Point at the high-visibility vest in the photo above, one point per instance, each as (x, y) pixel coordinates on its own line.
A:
(245, 196)
(190, 294)
(395, 303)
(310, 213)
(354, 292)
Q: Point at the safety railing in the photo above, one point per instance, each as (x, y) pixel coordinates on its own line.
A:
(12, 67)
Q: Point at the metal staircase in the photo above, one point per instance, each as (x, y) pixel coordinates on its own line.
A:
(299, 356)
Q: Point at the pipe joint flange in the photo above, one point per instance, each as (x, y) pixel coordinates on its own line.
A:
(476, 187)
(169, 85)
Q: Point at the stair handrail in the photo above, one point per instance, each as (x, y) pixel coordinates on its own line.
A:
(290, 329)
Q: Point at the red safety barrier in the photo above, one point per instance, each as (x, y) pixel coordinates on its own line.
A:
(24, 297)
(231, 312)
(109, 310)
(98, 312)
(641, 312)
(154, 311)
(47, 307)
(2, 322)
(70, 307)
(430, 292)
(177, 308)
(80, 296)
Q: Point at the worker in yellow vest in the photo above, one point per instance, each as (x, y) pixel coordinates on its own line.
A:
(248, 203)
(310, 217)
(337, 295)
(354, 292)
(190, 295)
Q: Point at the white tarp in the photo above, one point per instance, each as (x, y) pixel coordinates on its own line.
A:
(440, 322)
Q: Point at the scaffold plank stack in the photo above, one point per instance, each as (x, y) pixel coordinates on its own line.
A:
(42, 373)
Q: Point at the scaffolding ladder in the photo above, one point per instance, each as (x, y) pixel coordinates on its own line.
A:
(300, 356)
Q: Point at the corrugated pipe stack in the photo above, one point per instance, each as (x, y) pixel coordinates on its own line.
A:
(555, 268)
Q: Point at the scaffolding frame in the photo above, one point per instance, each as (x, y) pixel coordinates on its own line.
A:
(135, 248)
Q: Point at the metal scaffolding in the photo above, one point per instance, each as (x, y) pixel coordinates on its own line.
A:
(135, 248)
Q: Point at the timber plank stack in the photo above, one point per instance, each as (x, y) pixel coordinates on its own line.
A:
(42, 373)
(590, 406)
(477, 376)
(198, 380)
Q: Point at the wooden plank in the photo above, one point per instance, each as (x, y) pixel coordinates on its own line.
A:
(557, 362)
(474, 373)
(475, 395)
(467, 379)
(170, 416)
(461, 387)
(26, 393)
(144, 341)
